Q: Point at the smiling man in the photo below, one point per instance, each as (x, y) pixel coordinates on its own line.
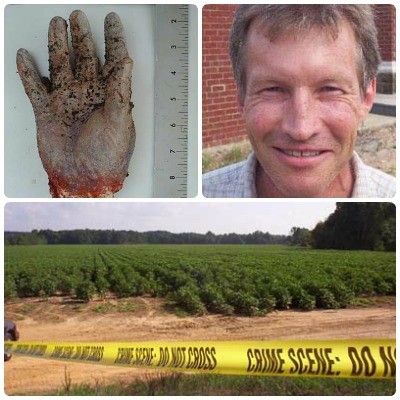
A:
(306, 77)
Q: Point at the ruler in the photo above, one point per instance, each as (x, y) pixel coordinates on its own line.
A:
(171, 101)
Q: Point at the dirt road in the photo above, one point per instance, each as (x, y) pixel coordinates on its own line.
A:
(25, 375)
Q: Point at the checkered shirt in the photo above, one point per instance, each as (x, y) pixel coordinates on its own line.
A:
(239, 181)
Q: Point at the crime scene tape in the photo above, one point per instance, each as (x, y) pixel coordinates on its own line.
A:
(370, 358)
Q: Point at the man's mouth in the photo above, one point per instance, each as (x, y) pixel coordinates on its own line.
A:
(296, 153)
(302, 158)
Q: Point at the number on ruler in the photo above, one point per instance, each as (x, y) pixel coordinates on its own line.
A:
(171, 168)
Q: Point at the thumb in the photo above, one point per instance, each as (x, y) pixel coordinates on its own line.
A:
(118, 88)
(31, 80)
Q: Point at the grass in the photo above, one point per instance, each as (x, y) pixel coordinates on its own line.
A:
(27, 309)
(362, 302)
(126, 307)
(121, 306)
(234, 155)
(207, 161)
(225, 156)
(226, 385)
(103, 308)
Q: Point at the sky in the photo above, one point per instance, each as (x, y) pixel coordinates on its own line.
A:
(200, 217)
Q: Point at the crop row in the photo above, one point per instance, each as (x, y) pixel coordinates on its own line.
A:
(237, 279)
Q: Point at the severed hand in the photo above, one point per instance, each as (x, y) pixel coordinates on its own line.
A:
(85, 131)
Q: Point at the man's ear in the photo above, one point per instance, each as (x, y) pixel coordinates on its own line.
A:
(369, 97)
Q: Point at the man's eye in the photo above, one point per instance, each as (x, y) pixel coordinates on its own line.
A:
(273, 89)
(330, 89)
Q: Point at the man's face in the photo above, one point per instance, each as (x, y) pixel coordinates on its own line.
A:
(302, 107)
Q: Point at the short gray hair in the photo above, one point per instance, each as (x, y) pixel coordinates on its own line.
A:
(301, 18)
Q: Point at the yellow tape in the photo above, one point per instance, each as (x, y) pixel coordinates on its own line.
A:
(375, 358)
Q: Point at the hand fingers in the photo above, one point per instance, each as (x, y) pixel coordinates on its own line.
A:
(118, 88)
(60, 68)
(31, 80)
(86, 61)
(115, 42)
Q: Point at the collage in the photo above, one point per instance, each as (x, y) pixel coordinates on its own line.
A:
(199, 199)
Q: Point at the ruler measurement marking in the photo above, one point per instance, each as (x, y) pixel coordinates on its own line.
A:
(171, 86)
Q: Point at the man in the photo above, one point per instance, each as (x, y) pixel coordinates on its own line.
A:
(306, 77)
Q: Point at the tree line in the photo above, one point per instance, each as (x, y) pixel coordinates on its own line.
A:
(365, 226)
(361, 226)
(91, 236)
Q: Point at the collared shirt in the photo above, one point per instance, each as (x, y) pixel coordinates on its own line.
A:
(239, 180)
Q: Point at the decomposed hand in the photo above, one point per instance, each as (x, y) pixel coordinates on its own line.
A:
(85, 131)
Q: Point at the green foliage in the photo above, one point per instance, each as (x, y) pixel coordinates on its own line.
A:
(224, 157)
(301, 299)
(369, 226)
(85, 290)
(300, 237)
(28, 283)
(103, 308)
(244, 303)
(126, 307)
(66, 284)
(99, 237)
(207, 162)
(267, 303)
(187, 298)
(231, 385)
(10, 289)
(32, 238)
(47, 286)
(214, 300)
(243, 279)
(99, 279)
(388, 235)
(233, 156)
(342, 294)
(282, 297)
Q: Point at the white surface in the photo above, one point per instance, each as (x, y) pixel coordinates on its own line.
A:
(26, 26)
(387, 66)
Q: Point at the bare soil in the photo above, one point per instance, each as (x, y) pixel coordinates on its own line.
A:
(377, 148)
(60, 319)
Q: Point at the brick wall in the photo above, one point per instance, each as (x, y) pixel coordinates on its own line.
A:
(386, 24)
(222, 124)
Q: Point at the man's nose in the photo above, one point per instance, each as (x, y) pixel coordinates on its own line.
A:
(300, 119)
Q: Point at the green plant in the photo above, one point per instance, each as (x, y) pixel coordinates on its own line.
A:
(126, 307)
(234, 155)
(207, 161)
(214, 300)
(187, 298)
(10, 289)
(103, 308)
(228, 279)
(302, 300)
(244, 303)
(85, 291)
